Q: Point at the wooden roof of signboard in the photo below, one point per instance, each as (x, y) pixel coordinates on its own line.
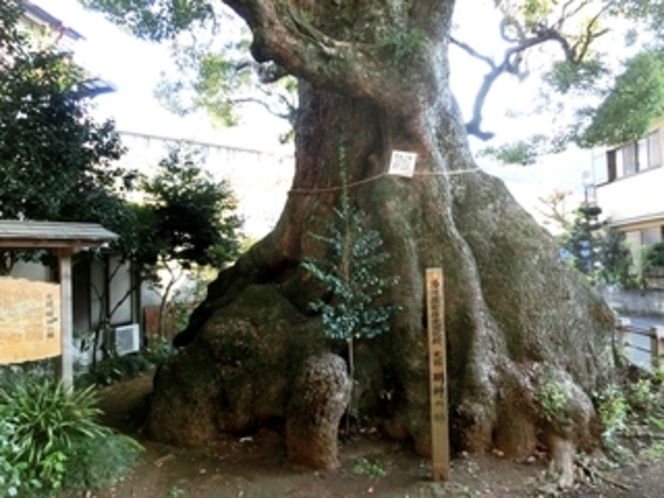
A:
(48, 234)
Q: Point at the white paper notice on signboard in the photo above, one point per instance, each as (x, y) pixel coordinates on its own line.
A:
(29, 320)
(402, 163)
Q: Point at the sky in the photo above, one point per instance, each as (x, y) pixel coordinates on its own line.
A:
(109, 53)
(134, 66)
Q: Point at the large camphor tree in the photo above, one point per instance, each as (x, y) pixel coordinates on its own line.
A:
(374, 77)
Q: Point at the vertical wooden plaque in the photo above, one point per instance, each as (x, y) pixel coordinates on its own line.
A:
(440, 448)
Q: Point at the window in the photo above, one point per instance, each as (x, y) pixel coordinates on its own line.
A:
(651, 236)
(610, 170)
(629, 159)
(642, 154)
(654, 150)
(630, 165)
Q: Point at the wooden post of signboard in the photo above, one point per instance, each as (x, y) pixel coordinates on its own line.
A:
(66, 366)
(440, 448)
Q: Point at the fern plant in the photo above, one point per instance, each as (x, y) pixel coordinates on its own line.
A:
(51, 441)
(351, 275)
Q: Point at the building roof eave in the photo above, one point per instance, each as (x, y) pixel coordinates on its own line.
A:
(637, 221)
(15, 234)
(55, 23)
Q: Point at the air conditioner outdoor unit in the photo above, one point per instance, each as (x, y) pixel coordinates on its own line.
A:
(127, 339)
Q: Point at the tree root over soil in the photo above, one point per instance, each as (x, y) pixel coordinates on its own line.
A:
(576, 473)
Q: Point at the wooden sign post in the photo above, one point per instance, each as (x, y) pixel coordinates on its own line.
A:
(28, 321)
(440, 446)
(66, 365)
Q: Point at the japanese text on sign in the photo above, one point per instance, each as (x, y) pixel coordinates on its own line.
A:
(29, 320)
(437, 374)
(402, 163)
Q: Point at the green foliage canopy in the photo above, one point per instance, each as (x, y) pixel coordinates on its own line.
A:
(188, 217)
(636, 100)
(597, 64)
(56, 160)
(59, 164)
(214, 72)
(155, 19)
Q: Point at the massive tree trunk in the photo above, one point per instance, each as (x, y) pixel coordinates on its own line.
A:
(517, 318)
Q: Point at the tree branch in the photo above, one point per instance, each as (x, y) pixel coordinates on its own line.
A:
(271, 73)
(513, 56)
(510, 64)
(254, 100)
(285, 37)
(472, 52)
(581, 47)
(267, 72)
(506, 23)
(564, 16)
(283, 97)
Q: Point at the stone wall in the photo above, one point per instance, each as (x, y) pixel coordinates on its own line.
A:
(634, 302)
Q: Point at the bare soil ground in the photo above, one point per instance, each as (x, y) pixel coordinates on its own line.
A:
(256, 467)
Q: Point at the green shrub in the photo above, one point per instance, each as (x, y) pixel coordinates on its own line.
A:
(352, 273)
(10, 473)
(643, 397)
(613, 410)
(552, 399)
(46, 430)
(116, 368)
(365, 467)
(97, 462)
(46, 418)
(653, 256)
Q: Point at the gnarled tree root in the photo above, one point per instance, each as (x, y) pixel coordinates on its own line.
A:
(320, 396)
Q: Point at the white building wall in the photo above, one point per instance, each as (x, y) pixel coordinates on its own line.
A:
(119, 287)
(31, 271)
(260, 179)
(633, 197)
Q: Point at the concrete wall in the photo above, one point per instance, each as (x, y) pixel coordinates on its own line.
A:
(634, 302)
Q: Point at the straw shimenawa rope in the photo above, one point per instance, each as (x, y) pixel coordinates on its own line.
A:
(370, 179)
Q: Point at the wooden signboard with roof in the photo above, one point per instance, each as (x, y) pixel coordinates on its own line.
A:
(36, 317)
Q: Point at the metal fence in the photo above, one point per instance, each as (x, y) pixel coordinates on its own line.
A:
(643, 346)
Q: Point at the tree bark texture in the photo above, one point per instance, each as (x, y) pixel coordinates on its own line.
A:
(320, 397)
(515, 313)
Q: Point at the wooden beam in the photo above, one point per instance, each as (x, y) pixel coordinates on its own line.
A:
(66, 366)
(440, 446)
(48, 244)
